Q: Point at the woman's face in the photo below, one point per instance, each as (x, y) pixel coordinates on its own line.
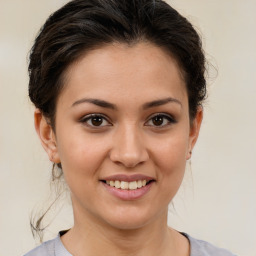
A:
(122, 120)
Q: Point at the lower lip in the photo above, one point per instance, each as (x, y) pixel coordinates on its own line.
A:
(126, 194)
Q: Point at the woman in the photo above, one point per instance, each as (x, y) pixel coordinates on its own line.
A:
(118, 88)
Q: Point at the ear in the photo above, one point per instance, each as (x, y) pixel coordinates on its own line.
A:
(194, 131)
(46, 135)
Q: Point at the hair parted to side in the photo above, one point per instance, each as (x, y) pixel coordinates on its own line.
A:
(83, 25)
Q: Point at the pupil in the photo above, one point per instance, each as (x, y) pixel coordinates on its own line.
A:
(97, 121)
(158, 120)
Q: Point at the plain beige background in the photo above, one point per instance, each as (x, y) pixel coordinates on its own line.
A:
(217, 201)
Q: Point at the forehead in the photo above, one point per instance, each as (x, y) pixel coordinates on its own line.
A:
(120, 69)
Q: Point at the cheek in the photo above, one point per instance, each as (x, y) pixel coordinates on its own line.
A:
(170, 159)
(80, 156)
(80, 163)
(171, 151)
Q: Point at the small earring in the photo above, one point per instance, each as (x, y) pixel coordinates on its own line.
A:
(190, 154)
(56, 172)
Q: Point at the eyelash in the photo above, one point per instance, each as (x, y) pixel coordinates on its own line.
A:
(165, 117)
(168, 119)
(90, 117)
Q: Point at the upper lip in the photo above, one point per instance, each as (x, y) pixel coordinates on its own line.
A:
(128, 178)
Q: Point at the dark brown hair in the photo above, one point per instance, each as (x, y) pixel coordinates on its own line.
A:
(83, 25)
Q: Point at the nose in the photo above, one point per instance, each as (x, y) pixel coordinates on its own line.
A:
(129, 147)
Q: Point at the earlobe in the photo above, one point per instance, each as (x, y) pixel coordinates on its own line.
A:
(46, 135)
(194, 131)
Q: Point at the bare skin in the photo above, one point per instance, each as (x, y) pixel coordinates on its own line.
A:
(123, 113)
(138, 242)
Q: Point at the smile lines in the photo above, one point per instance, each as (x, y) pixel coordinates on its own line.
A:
(127, 185)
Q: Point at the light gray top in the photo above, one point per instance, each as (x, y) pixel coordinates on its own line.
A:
(197, 248)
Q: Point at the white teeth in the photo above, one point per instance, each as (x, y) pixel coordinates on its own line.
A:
(117, 184)
(127, 185)
(124, 185)
(133, 185)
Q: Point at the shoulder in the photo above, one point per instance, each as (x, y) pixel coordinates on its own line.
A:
(52, 247)
(203, 248)
(45, 249)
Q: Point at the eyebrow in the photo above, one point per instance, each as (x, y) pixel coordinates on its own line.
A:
(105, 104)
(100, 103)
(160, 102)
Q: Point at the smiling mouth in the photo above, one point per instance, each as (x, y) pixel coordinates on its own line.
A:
(126, 185)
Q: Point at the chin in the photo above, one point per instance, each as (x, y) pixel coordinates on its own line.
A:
(129, 218)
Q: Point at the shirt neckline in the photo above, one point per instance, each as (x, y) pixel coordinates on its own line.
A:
(60, 249)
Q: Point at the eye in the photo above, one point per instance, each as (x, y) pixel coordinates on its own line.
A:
(160, 120)
(95, 120)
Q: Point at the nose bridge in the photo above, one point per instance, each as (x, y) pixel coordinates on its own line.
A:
(128, 146)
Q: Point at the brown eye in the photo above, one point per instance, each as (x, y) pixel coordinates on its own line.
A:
(97, 120)
(158, 120)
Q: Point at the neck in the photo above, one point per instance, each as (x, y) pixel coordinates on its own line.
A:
(154, 238)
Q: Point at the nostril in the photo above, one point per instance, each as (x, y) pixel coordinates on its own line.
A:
(128, 153)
